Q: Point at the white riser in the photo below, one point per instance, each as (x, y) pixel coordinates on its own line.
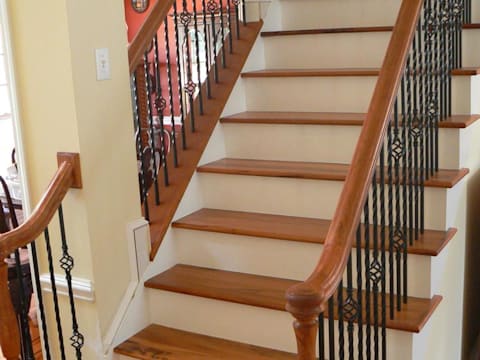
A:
(305, 14)
(341, 94)
(294, 197)
(326, 50)
(470, 53)
(257, 326)
(326, 143)
(268, 257)
(347, 94)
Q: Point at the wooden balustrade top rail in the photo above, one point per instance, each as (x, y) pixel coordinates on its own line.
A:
(67, 176)
(144, 36)
(308, 299)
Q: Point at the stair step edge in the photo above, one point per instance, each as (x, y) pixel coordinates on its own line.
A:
(291, 228)
(269, 292)
(310, 171)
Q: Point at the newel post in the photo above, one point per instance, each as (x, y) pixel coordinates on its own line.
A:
(9, 332)
(305, 305)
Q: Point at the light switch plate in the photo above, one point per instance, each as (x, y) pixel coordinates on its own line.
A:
(102, 59)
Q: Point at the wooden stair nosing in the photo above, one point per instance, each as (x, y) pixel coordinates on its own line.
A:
(340, 30)
(268, 292)
(337, 72)
(327, 118)
(161, 342)
(471, 26)
(310, 170)
(293, 228)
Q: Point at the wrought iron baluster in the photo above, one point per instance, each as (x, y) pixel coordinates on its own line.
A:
(375, 268)
(207, 51)
(138, 138)
(222, 32)
(236, 3)
(341, 336)
(41, 306)
(212, 7)
(350, 309)
(229, 23)
(67, 263)
(321, 337)
(151, 130)
(190, 86)
(359, 291)
(179, 75)
(331, 329)
(368, 303)
(197, 55)
(173, 142)
(160, 106)
(383, 286)
(390, 157)
(54, 293)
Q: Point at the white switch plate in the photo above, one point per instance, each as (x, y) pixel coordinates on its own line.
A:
(103, 64)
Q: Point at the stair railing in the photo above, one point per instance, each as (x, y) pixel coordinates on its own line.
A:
(175, 61)
(381, 207)
(15, 336)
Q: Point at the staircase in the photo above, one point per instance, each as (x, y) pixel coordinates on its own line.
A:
(256, 212)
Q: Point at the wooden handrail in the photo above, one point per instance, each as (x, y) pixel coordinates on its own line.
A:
(144, 36)
(68, 175)
(306, 300)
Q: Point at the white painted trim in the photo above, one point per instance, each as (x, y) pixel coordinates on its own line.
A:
(136, 270)
(17, 127)
(82, 288)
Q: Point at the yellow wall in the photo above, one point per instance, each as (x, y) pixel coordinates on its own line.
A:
(64, 108)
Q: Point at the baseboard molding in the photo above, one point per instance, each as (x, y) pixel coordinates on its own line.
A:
(82, 288)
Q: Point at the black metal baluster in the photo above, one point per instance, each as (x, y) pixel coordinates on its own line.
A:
(321, 337)
(244, 11)
(407, 158)
(331, 329)
(54, 293)
(151, 129)
(190, 86)
(229, 23)
(160, 105)
(173, 142)
(41, 306)
(383, 286)
(422, 119)
(350, 309)
(213, 8)
(236, 3)
(368, 303)
(222, 32)
(341, 336)
(197, 55)
(438, 79)
(359, 292)
(179, 75)
(206, 38)
(138, 138)
(391, 235)
(375, 270)
(67, 263)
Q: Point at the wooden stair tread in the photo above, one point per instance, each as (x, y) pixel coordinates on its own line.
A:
(291, 228)
(340, 30)
(309, 170)
(337, 72)
(471, 26)
(160, 342)
(267, 292)
(326, 118)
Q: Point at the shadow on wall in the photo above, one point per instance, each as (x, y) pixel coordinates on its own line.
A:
(471, 325)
